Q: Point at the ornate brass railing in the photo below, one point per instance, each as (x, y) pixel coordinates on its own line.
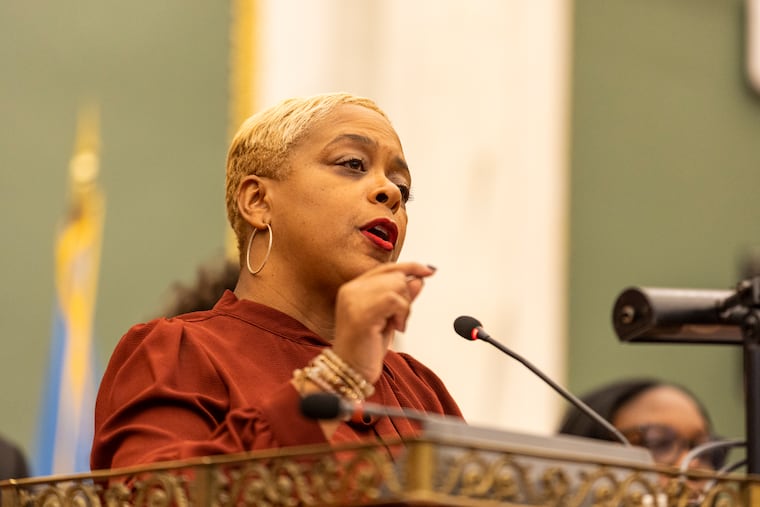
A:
(420, 471)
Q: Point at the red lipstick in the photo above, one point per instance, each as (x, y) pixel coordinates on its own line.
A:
(382, 232)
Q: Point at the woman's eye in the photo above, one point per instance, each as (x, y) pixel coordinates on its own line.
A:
(405, 192)
(353, 163)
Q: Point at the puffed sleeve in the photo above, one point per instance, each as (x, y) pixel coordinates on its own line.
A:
(165, 396)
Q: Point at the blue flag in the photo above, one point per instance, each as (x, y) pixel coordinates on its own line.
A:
(66, 417)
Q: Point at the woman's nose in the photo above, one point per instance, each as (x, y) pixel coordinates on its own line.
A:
(387, 193)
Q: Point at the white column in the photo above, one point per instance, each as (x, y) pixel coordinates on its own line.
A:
(478, 92)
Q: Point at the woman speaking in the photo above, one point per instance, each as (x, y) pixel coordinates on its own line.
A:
(316, 193)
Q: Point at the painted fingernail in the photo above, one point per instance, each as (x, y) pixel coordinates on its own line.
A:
(432, 267)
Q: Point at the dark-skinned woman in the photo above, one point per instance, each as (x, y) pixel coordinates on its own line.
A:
(316, 192)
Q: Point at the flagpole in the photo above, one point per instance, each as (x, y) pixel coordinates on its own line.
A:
(243, 83)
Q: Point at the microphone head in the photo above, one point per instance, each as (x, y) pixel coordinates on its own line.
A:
(465, 325)
(321, 406)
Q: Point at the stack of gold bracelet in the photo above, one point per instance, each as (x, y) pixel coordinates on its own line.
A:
(332, 374)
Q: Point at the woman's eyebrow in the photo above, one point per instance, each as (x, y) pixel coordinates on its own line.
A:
(399, 162)
(352, 137)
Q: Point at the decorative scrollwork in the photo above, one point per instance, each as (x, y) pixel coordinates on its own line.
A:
(161, 490)
(600, 487)
(82, 495)
(375, 474)
(325, 477)
(367, 476)
(116, 494)
(722, 495)
(51, 496)
(556, 486)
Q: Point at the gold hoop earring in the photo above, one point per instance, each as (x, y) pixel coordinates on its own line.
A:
(248, 251)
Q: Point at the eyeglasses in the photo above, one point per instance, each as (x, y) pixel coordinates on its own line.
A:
(667, 446)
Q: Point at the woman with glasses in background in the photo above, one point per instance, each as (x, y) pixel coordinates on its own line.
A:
(663, 417)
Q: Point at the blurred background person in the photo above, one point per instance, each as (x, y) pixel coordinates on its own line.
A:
(12, 461)
(211, 280)
(665, 418)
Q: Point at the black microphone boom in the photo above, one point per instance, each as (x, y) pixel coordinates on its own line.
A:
(658, 314)
(470, 328)
(324, 405)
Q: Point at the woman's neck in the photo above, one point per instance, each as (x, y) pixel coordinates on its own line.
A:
(315, 312)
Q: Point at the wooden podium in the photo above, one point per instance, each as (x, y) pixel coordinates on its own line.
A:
(448, 464)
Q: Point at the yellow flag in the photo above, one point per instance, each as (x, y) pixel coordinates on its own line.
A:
(65, 433)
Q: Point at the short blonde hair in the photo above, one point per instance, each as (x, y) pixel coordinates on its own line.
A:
(263, 142)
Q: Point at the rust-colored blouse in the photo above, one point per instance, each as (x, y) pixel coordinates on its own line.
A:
(218, 382)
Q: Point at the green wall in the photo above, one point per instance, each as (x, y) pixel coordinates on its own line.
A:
(159, 71)
(665, 170)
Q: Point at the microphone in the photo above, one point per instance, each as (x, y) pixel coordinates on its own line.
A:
(331, 406)
(654, 314)
(470, 328)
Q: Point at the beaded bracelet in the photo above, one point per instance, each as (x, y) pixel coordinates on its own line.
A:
(357, 381)
(331, 374)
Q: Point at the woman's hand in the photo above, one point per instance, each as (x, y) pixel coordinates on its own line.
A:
(370, 309)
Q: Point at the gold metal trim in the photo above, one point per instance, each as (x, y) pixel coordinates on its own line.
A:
(411, 472)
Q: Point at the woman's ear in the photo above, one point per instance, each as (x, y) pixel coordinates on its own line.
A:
(253, 201)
